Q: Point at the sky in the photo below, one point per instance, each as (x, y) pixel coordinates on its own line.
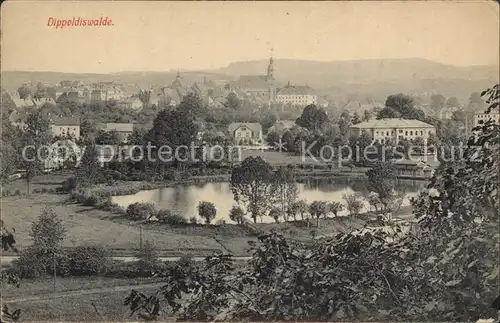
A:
(161, 36)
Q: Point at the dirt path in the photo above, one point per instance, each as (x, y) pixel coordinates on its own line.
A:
(71, 293)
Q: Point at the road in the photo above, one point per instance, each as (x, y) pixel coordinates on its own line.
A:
(9, 259)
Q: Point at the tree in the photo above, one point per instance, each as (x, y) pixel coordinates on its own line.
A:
(272, 138)
(172, 128)
(145, 97)
(148, 257)
(285, 189)
(401, 106)
(400, 102)
(437, 103)
(89, 171)
(192, 105)
(388, 112)
(299, 207)
(367, 115)
(207, 211)
(382, 180)
(236, 214)
(108, 138)
(318, 209)
(268, 121)
(251, 184)
(459, 115)
(47, 234)
(335, 207)
(353, 202)
(275, 213)
(87, 130)
(344, 122)
(356, 118)
(8, 161)
(39, 91)
(35, 138)
(233, 102)
(312, 118)
(452, 102)
(24, 91)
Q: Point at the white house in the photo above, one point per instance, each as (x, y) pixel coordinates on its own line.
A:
(394, 129)
(480, 118)
(297, 95)
(69, 127)
(246, 133)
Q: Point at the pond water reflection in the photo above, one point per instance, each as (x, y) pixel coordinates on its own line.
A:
(185, 198)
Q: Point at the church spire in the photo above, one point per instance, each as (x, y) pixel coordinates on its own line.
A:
(270, 68)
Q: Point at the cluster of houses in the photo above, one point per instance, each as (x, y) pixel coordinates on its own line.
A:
(78, 92)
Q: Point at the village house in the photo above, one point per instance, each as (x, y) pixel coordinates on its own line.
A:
(65, 127)
(42, 101)
(107, 91)
(394, 129)
(297, 95)
(480, 118)
(23, 103)
(133, 103)
(124, 130)
(281, 126)
(246, 133)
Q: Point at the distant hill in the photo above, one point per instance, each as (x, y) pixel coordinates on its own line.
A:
(376, 78)
(359, 71)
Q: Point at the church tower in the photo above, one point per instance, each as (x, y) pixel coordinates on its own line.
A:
(270, 68)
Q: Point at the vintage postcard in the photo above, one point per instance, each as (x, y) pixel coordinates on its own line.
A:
(250, 161)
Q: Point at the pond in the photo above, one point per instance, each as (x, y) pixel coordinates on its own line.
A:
(185, 198)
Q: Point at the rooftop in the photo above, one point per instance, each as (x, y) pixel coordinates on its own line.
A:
(65, 121)
(297, 90)
(255, 127)
(119, 127)
(392, 123)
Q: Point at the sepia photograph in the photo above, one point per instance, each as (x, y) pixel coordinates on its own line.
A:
(237, 161)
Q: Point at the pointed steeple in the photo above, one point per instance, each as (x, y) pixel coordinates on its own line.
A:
(178, 77)
(270, 68)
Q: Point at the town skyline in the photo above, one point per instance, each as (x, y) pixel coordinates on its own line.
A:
(206, 36)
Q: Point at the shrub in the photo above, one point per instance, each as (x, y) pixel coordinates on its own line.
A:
(6, 193)
(354, 204)
(87, 260)
(170, 217)
(69, 184)
(33, 263)
(220, 222)
(92, 200)
(193, 220)
(207, 211)
(141, 211)
(44, 190)
(17, 192)
(147, 257)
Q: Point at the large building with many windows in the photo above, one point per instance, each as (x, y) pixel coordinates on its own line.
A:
(480, 118)
(393, 129)
(297, 95)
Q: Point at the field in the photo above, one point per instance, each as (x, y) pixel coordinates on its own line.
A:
(74, 298)
(90, 226)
